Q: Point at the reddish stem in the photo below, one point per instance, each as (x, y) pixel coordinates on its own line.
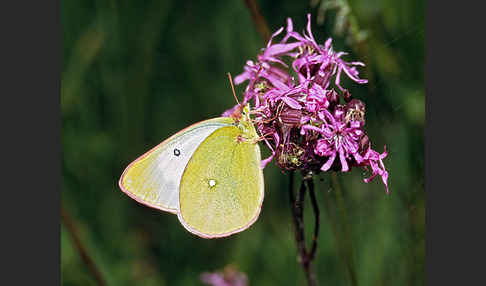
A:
(260, 23)
(69, 224)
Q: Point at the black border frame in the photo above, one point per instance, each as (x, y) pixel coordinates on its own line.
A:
(31, 85)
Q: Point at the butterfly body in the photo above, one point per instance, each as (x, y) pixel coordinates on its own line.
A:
(208, 174)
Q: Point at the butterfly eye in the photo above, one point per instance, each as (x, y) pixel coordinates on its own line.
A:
(177, 152)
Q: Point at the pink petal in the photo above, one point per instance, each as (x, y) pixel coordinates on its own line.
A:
(264, 162)
(309, 27)
(241, 78)
(291, 102)
(274, 35)
(277, 49)
(329, 162)
(290, 26)
(342, 157)
(328, 44)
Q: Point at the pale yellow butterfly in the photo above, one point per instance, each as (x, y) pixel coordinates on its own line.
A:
(209, 174)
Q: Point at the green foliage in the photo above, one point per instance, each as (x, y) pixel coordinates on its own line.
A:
(135, 72)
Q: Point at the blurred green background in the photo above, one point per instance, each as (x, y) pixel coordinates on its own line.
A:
(135, 72)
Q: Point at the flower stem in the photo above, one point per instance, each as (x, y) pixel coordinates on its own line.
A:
(315, 207)
(341, 229)
(70, 226)
(297, 207)
(258, 19)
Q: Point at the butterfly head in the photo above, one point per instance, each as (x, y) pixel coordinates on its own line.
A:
(241, 116)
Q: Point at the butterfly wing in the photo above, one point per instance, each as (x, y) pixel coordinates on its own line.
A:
(222, 189)
(153, 179)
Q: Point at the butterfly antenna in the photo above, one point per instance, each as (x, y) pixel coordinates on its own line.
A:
(233, 87)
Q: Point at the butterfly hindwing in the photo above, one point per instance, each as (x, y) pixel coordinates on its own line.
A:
(221, 190)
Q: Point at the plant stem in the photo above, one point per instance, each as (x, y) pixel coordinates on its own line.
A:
(258, 19)
(297, 207)
(344, 240)
(315, 207)
(69, 224)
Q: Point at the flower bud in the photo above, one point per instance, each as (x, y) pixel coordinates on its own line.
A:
(346, 95)
(364, 143)
(289, 116)
(332, 97)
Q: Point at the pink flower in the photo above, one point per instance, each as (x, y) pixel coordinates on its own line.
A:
(375, 161)
(338, 138)
(302, 117)
(229, 277)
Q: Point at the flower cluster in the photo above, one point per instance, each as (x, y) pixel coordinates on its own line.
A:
(229, 277)
(304, 115)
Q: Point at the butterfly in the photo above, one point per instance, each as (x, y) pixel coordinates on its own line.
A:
(209, 174)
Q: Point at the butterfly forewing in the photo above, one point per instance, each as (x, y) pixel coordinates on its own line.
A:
(221, 191)
(153, 179)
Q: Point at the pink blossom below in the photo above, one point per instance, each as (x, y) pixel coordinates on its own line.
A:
(229, 277)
